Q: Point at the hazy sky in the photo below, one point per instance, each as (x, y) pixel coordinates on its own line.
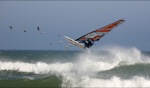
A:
(74, 19)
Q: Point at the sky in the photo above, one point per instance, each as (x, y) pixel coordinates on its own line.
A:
(73, 19)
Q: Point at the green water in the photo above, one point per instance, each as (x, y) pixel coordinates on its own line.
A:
(51, 81)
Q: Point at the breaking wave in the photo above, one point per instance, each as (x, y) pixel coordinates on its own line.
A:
(110, 67)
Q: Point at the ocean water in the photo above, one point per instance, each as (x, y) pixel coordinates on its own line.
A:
(109, 67)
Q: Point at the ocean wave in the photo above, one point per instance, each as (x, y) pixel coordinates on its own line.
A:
(37, 68)
(127, 71)
(117, 66)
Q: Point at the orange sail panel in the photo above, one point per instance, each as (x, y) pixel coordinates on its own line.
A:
(99, 33)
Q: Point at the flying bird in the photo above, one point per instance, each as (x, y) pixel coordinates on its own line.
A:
(50, 43)
(38, 28)
(25, 31)
(60, 42)
(10, 27)
(59, 35)
(42, 33)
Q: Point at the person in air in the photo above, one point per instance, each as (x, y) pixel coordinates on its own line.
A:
(88, 43)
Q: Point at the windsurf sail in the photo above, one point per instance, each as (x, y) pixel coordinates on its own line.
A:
(99, 33)
(89, 38)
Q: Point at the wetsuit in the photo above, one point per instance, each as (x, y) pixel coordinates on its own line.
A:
(88, 43)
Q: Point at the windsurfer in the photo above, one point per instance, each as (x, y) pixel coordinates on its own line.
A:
(89, 38)
(88, 43)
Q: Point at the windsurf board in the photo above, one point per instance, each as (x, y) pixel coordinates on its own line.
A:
(72, 41)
